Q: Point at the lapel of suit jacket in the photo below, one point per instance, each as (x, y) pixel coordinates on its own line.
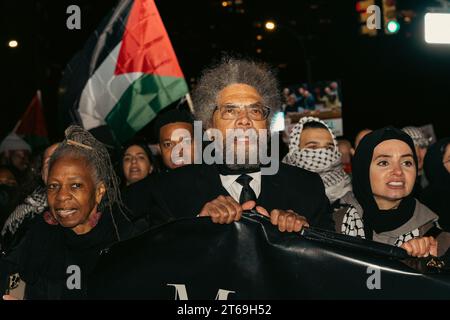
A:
(271, 195)
(209, 181)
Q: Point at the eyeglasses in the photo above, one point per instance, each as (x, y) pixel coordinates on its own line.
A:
(232, 112)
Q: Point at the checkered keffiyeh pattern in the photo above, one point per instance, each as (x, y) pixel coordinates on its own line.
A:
(32, 205)
(326, 162)
(353, 225)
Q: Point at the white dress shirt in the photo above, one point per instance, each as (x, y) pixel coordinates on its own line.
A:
(234, 188)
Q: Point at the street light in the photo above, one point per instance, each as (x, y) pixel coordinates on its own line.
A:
(270, 25)
(13, 44)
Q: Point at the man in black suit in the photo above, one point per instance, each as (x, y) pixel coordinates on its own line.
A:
(236, 96)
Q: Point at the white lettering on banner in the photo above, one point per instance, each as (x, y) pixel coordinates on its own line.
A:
(181, 292)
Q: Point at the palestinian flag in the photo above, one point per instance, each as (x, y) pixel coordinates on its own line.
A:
(126, 73)
(31, 127)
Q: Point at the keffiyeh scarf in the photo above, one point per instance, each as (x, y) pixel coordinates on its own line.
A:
(353, 225)
(32, 205)
(326, 162)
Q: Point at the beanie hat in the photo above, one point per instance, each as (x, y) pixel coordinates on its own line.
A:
(14, 142)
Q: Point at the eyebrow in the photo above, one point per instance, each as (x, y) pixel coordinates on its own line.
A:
(181, 138)
(317, 142)
(256, 104)
(389, 156)
(130, 154)
(68, 178)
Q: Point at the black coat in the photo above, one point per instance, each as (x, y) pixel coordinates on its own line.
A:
(184, 191)
(43, 256)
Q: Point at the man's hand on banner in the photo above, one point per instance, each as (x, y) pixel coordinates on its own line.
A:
(225, 210)
(286, 220)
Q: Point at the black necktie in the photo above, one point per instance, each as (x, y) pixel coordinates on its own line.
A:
(247, 192)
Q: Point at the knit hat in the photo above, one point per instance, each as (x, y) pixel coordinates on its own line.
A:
(418, 137)
(14, 142)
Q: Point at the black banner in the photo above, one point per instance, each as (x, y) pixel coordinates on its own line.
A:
(250, 259)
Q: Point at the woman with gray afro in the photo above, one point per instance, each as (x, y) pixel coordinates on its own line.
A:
(85, 217)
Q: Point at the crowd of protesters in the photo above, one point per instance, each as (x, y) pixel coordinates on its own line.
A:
(301, 98)
(389, 186)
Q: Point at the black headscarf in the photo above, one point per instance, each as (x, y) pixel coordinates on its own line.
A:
(437, 195)
(375, 219)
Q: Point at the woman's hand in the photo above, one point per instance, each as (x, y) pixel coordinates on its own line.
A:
(421, 247)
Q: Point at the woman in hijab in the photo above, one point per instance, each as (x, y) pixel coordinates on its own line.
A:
(383, 208)
(437, 167)
(313, 146)
(62, 246)
(137, 162)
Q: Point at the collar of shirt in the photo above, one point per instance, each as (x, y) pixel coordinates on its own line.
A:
(234, 188)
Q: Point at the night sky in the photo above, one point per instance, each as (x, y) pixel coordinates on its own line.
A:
(396, 79)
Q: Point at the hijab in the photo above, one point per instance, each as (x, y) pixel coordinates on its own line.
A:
(327, 163)
(374, 218)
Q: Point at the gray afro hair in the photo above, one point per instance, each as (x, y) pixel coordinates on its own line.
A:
(233, 71)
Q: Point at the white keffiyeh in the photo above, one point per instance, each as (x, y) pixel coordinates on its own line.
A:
(326, 162)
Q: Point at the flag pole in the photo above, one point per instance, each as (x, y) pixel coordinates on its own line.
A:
(189, 102)
(38, 94)
(17, 125)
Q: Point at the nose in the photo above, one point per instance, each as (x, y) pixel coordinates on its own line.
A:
(397, 169)
(133, 160)
(63, 194)
(243, 119)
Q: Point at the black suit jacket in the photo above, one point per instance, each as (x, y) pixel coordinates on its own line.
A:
(184, 191)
